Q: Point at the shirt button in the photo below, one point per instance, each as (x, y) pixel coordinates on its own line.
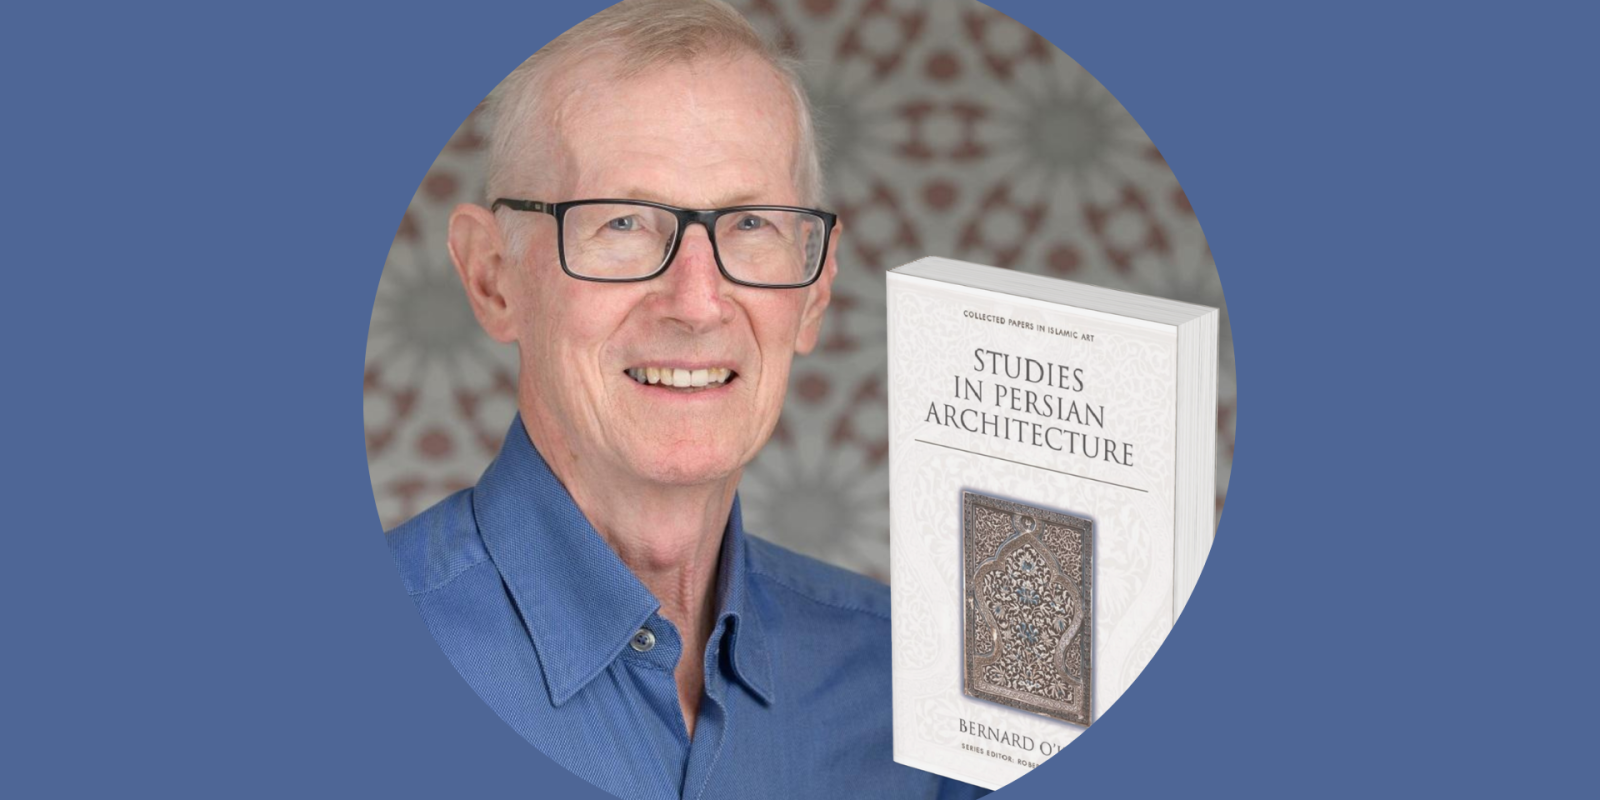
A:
(643, 641)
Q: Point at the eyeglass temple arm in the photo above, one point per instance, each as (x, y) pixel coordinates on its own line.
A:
(537, 206)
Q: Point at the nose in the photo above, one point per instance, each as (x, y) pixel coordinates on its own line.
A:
(694, 291)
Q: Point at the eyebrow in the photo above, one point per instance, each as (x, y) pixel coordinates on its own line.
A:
(740, 198)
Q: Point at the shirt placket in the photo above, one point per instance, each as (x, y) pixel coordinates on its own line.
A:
(652, 654)
(711, 728)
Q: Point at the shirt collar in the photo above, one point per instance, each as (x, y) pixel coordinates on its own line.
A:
(737, 620)
(580, 603)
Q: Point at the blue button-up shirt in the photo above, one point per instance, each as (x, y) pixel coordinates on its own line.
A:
(561, 639)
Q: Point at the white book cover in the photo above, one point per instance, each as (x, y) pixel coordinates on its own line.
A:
(1051, 481)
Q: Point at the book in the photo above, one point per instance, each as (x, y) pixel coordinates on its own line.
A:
(1052, 475)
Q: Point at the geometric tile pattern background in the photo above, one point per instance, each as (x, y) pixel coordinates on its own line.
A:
(948, 129)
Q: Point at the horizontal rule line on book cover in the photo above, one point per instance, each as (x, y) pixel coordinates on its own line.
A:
(1035, 466)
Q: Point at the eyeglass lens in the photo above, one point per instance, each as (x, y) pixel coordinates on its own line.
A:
(620, 240)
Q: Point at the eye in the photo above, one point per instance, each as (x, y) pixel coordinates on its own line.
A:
(626, 224)
(749, 222)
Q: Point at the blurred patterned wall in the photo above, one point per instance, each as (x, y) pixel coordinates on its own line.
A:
(949, 130)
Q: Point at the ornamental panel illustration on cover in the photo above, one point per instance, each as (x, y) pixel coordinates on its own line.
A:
(1028, 590)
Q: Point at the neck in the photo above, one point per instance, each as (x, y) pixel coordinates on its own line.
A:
(670, 537)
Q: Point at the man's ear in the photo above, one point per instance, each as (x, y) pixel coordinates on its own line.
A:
(479, 254)
(817, 296)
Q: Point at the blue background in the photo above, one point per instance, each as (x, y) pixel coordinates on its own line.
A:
(198, 202)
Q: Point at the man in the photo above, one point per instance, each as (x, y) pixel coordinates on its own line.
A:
(596, 588)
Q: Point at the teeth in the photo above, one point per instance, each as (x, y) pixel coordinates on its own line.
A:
(681, 378)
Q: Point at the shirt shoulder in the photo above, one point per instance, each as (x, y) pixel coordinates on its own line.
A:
(815, 581)
(437, 545)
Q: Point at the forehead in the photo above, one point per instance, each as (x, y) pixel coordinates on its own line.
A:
(709, 132)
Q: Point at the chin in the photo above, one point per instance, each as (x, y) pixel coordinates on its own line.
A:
(680, 466)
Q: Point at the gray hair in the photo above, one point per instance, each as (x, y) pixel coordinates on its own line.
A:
(641, 34)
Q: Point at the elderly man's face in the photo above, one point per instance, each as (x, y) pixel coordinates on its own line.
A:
(703, 135)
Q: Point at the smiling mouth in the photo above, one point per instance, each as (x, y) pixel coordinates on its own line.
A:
(689, 380)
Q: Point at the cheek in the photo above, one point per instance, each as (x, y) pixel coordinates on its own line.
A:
(581, 333)
(776, 327)
(559, 313)
(530, 296)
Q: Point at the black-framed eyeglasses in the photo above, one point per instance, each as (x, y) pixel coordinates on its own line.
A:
(619, 241)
